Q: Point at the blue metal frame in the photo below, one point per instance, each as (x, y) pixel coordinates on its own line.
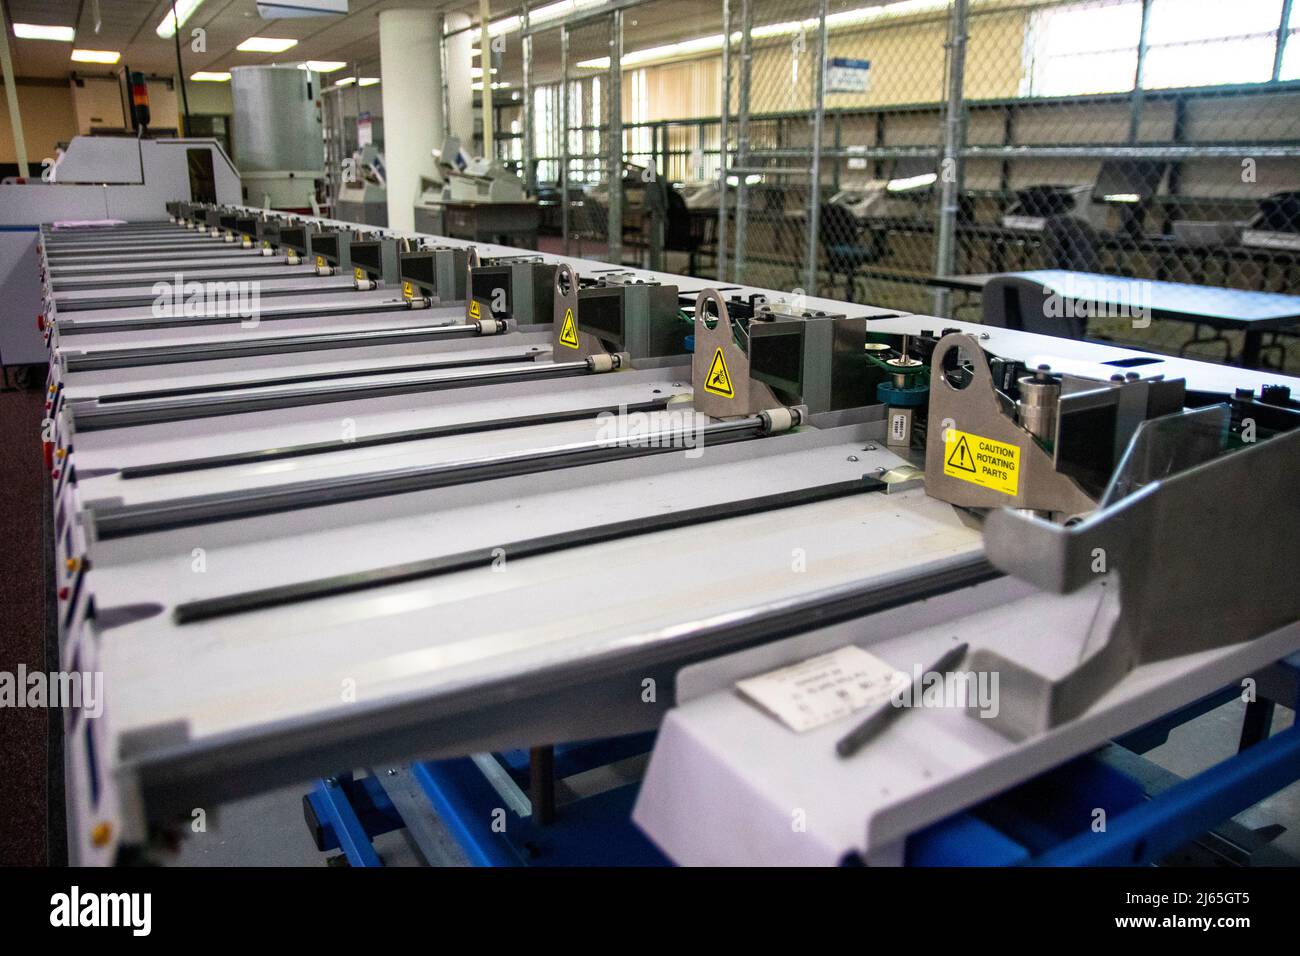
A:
(1047, 821)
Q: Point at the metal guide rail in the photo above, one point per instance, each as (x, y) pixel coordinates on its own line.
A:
(417, 542)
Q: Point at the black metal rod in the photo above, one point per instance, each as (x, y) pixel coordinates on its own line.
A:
(1256, 724)
(277, 345)
(92, 419)
(268, 314)
(541, 784)
(122, 520)
(180, 72)
(334, 585)
(389, 438)
(183, 390)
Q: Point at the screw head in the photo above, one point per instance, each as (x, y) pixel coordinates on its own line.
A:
(101, 833)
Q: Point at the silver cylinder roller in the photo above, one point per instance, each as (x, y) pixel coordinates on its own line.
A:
(1040, 397)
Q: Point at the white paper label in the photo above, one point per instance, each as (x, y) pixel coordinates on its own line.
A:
(823, 688)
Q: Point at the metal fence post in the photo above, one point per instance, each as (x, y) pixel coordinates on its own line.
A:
(815, 184)
(1139, 74)
(742, 137)
(564, 136)
(615, 143)
(722, 141)
(954, 142)
(529, 147)
(1283, 34)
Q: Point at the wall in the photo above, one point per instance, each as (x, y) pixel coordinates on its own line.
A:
(97, 102)
(209, 99)
(48, 119)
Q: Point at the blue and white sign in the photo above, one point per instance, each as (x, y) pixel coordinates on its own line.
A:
(844, 75)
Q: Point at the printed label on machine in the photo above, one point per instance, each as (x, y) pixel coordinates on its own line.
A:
(982, 461)
(718, 381)
(823, 688)
(473, 309)
(360, 273)
(320, 262)
(569, 330)
(408, 291)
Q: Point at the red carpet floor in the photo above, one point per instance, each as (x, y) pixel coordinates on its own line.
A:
(24, 752)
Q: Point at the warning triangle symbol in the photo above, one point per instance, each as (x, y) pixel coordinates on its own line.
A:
(961, 457)
(718, 381)
(569, 330)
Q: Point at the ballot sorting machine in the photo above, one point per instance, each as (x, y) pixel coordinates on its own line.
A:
(488, 540)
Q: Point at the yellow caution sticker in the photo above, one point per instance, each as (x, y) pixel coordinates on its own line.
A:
(360, 273)
(320, 262)
(266, 243)
(718, 381)
(982, 461)
(569, 330)
(473, 309)
(408, 291)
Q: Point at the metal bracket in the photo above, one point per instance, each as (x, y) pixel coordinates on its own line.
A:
(977, 409)
(568, 341)
(1187, 563)
(474, 310)
(733, 393)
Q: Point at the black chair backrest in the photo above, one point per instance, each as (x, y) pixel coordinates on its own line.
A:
(1071, 244)
(678, 234)
(1014, 302)
(838, 227)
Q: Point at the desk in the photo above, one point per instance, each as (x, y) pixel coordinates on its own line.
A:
(503, 223)
(1253, 313)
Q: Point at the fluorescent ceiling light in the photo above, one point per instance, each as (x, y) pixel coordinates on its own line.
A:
(368, 81)
(346, 81)
(38, 31)
(708, 44)
(206, 76)
(552, 11)
(322, 66)
(167, 26)
(266, 45)
(476, 72)
(495, 86)
(1122, 197)
(96, 56)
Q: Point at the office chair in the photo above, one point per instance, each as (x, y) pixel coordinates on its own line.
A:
(680, 231)
(1014, 302)
(839, 235)
(1071, 244)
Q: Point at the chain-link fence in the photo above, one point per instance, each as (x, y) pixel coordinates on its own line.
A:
(898, 153)
(1152, 139)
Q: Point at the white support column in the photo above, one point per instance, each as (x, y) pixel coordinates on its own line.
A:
(410, 69)
(460, 92)
(11, 96)
(485, 61)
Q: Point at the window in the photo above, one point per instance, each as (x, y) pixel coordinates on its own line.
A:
(1291, 48)
(1092, 47)
(1210, 42)
(1082, 48)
